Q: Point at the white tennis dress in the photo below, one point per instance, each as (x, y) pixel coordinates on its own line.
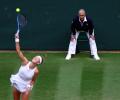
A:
(22, 79)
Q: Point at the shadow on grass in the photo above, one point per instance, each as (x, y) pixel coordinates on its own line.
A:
(92, 81)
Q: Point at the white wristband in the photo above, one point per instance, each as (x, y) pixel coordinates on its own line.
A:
(16, 40)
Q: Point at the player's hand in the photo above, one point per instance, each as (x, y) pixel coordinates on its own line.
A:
(29, 87)
(73, 37)
(92, 37)
(17, 37)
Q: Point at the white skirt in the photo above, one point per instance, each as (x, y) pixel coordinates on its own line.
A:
(18, 83)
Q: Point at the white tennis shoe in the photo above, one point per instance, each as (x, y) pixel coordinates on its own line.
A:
(96, 57)
(68, 57)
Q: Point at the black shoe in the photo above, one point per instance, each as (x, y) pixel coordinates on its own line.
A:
(91, 56)
(77, 51)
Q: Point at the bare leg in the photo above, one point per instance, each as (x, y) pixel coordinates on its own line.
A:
(25, 95)
(16, 94)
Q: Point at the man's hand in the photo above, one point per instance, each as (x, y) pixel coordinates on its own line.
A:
(92, 37)
(73, 37)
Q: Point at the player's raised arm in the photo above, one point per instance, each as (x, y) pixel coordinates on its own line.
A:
(20, 54)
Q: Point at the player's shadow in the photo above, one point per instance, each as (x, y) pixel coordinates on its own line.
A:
(92, 81)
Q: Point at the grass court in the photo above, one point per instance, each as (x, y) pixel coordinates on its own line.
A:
(80, 78)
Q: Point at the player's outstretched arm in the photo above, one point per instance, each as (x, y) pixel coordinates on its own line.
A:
(20, 54)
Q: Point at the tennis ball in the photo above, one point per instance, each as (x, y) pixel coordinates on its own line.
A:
(17, 9)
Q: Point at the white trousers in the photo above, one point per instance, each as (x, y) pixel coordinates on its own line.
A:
(73, 43)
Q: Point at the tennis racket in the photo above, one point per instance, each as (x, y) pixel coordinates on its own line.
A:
(21, 22)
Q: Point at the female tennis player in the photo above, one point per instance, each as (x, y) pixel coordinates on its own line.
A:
(23, 81)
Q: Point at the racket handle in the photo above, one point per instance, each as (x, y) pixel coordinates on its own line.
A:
(17, 32)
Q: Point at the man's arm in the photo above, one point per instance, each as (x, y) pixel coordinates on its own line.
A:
(73, 30)
(91, 26)
(20, 54)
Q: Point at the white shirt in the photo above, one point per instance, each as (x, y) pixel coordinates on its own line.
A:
(25, 73)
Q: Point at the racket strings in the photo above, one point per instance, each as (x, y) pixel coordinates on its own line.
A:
(21, 21)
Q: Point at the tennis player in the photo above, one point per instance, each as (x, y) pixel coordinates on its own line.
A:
(82, 23)
(23, 81)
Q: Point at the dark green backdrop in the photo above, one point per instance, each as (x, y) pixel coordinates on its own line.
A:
(49, 22)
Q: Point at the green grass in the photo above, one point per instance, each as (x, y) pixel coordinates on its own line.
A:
(81, 78)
